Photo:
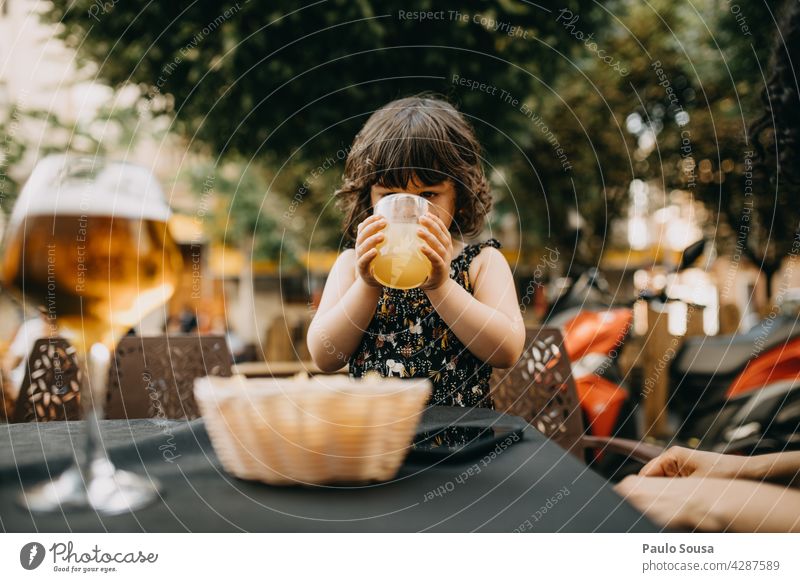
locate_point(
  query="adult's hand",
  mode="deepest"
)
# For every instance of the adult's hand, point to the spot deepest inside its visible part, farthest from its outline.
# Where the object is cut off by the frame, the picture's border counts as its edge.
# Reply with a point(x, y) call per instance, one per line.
point(683, 462)
point(713, 505)
point(673, 503)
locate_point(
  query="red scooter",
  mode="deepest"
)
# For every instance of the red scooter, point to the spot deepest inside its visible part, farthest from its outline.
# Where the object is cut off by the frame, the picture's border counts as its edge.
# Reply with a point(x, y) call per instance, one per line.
point(733, 393)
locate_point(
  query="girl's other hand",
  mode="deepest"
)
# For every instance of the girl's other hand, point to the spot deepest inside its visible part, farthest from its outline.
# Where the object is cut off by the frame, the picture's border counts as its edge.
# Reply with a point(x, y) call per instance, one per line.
point(438, 248)
point(369, 236)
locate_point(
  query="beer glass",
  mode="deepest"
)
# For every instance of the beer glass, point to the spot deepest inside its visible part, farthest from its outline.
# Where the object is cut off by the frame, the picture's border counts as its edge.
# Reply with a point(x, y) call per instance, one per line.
point(88, 246)
point(400, 263)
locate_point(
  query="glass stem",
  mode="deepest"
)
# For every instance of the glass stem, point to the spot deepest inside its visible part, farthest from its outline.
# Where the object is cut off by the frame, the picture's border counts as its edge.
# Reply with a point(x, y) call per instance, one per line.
point(94, 365)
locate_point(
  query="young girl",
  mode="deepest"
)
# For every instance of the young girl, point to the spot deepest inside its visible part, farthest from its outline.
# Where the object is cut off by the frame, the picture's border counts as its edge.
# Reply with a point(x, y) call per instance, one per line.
point(465, 318)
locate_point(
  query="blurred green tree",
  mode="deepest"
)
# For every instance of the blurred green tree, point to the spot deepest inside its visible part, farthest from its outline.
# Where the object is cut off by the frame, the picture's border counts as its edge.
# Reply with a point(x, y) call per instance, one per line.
point(30, 134)
point(572, 100)
point(678, 119)
point(291, 85)
point(12, 150)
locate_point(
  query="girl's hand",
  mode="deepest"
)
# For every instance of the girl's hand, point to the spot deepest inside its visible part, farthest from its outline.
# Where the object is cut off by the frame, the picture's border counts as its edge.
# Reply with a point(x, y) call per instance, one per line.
point(683, 462)
point(368, 237)
point(438, 248)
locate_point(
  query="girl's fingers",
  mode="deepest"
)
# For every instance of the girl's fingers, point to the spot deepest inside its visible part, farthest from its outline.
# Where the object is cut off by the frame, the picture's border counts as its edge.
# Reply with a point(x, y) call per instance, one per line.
point(369, 243)
point(434, 242)
point(365, 259)
point(440, 224)
point(369, 219)
point(370, 228)
point(366, 223)
point(435, 259)
point(436, 223)
point(371, 222)
point(442, 236)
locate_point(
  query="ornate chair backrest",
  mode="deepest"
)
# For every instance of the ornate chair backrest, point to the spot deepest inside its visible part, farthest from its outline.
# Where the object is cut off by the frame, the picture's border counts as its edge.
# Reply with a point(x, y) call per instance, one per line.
point(50, 389)
point(540, 389)
point(157, 374)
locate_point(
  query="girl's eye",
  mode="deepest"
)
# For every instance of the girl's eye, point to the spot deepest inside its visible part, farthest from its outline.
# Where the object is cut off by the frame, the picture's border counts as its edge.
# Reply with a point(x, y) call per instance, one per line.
point(428, 194)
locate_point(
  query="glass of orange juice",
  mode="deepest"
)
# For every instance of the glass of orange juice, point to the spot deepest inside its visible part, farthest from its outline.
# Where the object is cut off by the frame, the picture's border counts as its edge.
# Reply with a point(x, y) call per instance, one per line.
point(400, 263)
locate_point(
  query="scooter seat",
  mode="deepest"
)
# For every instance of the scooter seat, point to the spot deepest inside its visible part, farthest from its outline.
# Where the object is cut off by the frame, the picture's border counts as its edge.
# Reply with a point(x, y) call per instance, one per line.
point(727, 354)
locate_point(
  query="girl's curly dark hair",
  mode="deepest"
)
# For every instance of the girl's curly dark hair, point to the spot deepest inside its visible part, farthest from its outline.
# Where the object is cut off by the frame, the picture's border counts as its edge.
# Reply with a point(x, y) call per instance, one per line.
point(776, 134)
point(419, 139)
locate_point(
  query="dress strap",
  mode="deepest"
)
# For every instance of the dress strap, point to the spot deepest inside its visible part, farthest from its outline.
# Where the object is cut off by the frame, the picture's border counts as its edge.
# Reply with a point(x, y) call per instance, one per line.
point(459, 267)
point(473, 250)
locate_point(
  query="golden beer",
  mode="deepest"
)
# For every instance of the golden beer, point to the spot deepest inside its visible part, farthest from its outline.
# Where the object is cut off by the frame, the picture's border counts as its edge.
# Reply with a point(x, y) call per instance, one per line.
point(95, 277)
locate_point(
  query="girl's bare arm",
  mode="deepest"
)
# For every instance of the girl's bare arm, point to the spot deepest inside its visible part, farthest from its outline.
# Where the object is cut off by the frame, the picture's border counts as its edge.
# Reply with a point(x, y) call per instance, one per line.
point(488, 322)
point(348, 301)
point(345, 310)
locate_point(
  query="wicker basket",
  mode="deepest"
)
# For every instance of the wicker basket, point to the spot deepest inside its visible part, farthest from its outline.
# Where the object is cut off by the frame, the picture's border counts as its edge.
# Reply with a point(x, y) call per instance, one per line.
point(317, 430)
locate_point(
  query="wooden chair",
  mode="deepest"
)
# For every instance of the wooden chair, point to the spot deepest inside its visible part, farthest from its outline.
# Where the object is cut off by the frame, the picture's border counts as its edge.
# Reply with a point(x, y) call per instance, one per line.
point(151, 377)
point(51, 386)
point(285, 340)
point(279, 341)
point(300, 335)
point(540, 388)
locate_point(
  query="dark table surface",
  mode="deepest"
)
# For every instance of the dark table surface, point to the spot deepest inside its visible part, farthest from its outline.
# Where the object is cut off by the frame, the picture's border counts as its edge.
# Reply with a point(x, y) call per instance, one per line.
point(533, 485)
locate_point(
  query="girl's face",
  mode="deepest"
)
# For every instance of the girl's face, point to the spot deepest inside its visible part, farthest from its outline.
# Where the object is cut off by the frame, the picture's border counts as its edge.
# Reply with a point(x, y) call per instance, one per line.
point(441, 196)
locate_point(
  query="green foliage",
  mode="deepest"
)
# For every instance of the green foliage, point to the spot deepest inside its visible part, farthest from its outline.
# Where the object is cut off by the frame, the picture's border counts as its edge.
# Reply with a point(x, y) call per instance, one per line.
point(27, 135)
point(12, 150)
point(243, 223)
point(247, 78)
point(284, 87)
point(291, 85)
point(678, 119)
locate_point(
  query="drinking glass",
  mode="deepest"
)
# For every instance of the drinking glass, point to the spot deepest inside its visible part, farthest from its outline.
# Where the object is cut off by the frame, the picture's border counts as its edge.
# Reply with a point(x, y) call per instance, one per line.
point(400, 263)
point(88, 246)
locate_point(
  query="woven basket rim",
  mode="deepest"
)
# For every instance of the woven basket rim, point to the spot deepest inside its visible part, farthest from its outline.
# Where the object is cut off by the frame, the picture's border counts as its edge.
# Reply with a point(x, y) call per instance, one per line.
point(238, 386)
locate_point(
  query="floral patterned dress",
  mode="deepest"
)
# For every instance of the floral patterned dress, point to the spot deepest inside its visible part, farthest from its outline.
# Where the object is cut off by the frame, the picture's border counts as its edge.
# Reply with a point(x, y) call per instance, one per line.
point(406, 338)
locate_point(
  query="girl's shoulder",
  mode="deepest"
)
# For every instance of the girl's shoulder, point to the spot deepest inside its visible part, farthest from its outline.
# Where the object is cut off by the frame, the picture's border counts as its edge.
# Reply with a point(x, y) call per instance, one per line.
point(345, 263)
point(348, 255)
point(475, 257)
point(478, 253)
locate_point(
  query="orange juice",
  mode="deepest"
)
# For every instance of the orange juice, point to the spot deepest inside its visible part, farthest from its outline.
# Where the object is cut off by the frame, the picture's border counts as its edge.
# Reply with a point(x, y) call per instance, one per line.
point(400, 264)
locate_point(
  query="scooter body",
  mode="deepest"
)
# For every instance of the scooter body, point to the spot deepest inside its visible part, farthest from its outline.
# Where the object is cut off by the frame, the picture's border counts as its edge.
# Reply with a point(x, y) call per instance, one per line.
point(740, 393)
point(733, 393)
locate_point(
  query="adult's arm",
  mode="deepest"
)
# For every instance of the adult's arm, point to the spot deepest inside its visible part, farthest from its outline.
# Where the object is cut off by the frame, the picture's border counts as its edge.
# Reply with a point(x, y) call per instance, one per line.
point(714, 505)
point(685, 462)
